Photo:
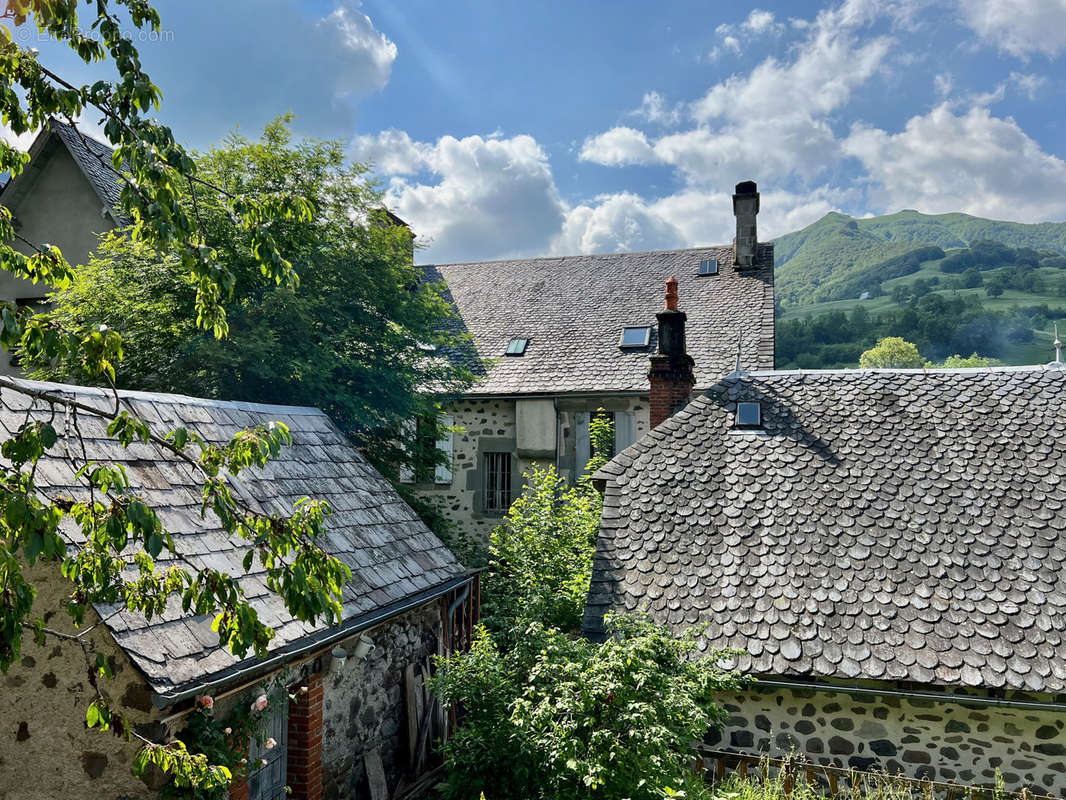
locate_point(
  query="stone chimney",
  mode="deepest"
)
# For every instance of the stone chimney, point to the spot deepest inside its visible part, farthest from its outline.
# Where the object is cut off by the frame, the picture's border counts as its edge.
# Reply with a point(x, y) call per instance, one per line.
point(745, 209)
point(670, 371)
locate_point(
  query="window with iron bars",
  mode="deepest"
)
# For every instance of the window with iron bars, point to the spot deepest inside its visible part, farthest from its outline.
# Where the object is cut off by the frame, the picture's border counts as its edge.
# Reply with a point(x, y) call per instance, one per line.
point(497, 481)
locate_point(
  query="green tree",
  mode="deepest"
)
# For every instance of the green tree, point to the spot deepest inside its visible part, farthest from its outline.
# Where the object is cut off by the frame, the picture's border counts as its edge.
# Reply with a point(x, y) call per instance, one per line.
point(361, 337)
point(971, 279)
point(556, 717)
point(892, 352)
point(540, 559)
point(112, 524)
point(957, 361)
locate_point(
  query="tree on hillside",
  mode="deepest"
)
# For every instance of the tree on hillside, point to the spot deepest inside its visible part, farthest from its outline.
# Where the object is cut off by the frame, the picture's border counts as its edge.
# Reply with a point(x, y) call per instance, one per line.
point(892, 352)
point(957, 361)
point(360, 337)
point(110, 522)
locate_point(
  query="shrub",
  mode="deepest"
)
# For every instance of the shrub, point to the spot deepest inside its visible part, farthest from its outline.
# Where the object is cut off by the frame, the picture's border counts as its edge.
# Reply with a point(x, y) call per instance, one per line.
point(540, 558)
point(556, 717)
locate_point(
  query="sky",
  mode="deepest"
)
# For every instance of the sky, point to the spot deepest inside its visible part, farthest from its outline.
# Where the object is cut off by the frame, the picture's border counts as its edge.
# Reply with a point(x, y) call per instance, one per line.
point(501, 129)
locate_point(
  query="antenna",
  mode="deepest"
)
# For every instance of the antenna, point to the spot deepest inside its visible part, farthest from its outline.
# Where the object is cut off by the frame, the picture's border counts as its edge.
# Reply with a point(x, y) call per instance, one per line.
point(1057, 363)
point(739, 371)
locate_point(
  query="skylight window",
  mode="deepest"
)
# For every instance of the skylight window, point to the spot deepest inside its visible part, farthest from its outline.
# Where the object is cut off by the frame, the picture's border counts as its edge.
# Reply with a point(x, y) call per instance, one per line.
point(709, 266)
point(517, 347)
point(749, 415)
point(635, 337)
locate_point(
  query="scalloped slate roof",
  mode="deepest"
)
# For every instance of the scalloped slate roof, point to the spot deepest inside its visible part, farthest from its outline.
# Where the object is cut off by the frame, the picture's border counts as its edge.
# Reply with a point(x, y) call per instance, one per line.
point(394, 557)
point(572, 309)
point(888, 525)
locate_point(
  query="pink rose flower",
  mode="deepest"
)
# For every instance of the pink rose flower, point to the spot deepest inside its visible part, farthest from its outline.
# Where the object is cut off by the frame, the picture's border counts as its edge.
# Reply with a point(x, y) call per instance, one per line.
point(269, 744)
point(260, 703)
point(229, 731)
point(206, 700)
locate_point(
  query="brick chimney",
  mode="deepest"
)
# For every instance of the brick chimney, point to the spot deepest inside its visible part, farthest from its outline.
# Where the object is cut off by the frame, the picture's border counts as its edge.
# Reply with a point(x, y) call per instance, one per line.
point(745, 209)
point(670, 371)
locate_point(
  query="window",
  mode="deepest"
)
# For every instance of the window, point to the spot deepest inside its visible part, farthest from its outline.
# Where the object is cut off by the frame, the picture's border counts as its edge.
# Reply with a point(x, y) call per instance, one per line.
point(267, 781)
point(749, 415)
point(424, 463)
point(497, 481)
point(709, 266)
point(635, 337)
point(517, 347)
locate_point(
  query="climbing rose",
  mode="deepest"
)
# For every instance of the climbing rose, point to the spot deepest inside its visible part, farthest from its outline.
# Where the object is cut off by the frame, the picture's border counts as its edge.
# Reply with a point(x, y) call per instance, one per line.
point(269, 744)
point(206, 700)
point(229, 731)
point(263, 762)
point(260, 703)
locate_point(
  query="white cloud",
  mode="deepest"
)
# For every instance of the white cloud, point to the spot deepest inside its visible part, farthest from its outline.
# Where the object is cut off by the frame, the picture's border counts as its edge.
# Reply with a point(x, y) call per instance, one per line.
point(491, 197)
point(943, 84)
point(760, 21)
point(1029, 83)
point(618, 147)
point(392, 152)
point(653, 109)
point(1022, 28)
point(617, 223)
point(972, 162)
point(731, 43)
point(20, 141)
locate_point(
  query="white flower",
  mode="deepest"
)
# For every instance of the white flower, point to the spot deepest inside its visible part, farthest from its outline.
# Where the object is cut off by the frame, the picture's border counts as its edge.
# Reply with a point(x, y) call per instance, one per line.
point(269, 744)
point(229, 731)
point(263, 762)
point(260, 703)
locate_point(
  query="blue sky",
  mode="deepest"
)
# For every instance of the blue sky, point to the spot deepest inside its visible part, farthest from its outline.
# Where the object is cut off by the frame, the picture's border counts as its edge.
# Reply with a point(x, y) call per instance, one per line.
point(503, 129)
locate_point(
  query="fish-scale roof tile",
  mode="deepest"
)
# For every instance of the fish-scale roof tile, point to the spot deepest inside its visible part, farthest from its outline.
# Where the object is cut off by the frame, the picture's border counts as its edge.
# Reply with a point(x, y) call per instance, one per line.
point(893, 525)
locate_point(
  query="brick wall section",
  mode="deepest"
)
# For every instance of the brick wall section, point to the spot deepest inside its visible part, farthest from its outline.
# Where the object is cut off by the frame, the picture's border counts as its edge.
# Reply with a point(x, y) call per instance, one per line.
point(305, 742)
point(671, 388)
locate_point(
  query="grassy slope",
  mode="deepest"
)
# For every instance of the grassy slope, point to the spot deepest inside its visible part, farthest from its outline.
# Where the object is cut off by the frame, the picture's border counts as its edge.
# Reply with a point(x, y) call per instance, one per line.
point(837, 246)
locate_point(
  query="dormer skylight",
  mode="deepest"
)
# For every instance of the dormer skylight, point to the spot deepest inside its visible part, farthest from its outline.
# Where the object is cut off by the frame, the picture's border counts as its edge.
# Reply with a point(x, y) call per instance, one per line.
point(635, 337)
point(749, 415)
point(517, 347)
point(709, 266)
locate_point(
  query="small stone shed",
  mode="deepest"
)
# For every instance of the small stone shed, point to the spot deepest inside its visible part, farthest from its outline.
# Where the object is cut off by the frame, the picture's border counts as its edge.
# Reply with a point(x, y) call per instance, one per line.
point(887, 547)
point(364, 716)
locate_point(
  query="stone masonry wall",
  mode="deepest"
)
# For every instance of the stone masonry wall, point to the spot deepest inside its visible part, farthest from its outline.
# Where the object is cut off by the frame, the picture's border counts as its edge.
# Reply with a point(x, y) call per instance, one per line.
point(45, 749)
point(488, 425)
point(365, 704)
point(919, 738)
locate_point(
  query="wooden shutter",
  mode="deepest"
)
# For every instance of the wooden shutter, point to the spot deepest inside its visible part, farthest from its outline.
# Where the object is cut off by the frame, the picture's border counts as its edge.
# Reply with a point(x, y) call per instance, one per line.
point(583, 446)
point(625, 430)
point(445, 444)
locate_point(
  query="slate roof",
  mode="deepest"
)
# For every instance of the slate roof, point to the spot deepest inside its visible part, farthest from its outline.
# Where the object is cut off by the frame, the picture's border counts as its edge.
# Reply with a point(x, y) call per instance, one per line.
point(572, 309)
point(393, 556)
point(889, 525)
point(94, 160)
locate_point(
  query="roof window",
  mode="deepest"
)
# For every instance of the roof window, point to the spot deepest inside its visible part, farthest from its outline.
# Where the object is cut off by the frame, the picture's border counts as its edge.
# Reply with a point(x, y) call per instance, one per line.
point(635, 337)
point(517, 347)
point(749, 415)
point(709, 266)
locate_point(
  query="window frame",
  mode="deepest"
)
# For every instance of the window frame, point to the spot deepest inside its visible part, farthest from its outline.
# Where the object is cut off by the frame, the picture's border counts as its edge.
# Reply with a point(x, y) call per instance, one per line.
point(712, 271)
point(517, 350)
point(632, 346)
point(498, 481)
point(758, 414)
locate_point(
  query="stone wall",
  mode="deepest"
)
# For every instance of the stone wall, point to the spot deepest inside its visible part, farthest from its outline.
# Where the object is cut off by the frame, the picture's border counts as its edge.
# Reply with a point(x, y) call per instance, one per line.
point(45, 749)
point(488, 425)
point(919, 738)
point(365, 702)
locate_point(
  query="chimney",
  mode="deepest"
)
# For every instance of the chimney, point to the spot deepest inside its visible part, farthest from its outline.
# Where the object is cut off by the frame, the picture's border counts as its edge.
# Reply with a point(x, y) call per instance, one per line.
point(745, 209)
point(670, 371)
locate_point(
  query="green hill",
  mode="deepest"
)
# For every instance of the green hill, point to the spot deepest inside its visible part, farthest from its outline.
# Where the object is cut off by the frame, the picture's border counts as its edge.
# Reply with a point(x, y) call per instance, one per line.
point(951, 283)
point(814, 261)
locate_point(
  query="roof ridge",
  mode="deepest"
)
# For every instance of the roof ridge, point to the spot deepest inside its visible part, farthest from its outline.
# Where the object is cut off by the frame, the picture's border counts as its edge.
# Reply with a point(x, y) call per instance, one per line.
point(772, 373)
point(582, 255)
point(169, 398)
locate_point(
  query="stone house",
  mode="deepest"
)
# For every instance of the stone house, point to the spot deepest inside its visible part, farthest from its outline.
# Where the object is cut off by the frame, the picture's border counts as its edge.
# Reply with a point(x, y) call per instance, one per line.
point(361, 715)
point(887, 547)
point(565, 337)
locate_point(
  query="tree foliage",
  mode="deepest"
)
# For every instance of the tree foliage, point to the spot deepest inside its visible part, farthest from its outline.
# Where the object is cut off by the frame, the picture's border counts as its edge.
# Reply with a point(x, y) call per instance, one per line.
point(892, 352)
point(359, 338)
point(114, 526)
point(558, 718)
point(540, 558)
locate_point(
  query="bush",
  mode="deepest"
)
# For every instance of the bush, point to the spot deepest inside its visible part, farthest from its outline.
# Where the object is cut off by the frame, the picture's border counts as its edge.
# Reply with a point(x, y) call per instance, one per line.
point(540, 558)
point(556, 717)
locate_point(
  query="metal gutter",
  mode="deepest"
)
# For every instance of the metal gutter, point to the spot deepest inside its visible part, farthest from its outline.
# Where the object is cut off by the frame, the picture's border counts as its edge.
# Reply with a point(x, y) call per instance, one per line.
point(316, 642)
point(940, 697)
